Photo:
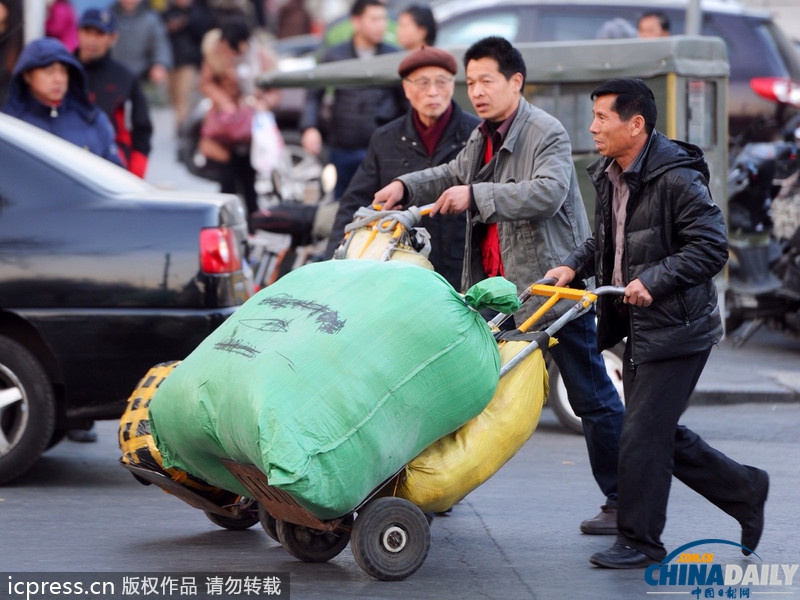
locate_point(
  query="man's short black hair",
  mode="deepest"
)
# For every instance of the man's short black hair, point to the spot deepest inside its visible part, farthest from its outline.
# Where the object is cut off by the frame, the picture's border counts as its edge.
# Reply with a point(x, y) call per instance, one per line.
point(633, 98)
point(423, 17)
point(509, 59)
point(359, 6)
point(234, 30)
point(662, 17)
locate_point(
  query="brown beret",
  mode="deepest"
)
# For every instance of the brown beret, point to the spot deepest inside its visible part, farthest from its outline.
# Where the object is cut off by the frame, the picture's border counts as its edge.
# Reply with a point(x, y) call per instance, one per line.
point(428, 56)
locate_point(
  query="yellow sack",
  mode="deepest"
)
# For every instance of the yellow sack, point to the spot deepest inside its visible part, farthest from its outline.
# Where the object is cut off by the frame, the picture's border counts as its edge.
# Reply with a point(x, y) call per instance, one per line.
point(371, 244)
point(456, 464)
point(386, 235)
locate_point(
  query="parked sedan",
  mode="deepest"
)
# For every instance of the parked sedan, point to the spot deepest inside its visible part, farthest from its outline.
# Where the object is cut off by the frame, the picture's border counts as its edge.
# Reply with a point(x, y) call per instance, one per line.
point(101, 276)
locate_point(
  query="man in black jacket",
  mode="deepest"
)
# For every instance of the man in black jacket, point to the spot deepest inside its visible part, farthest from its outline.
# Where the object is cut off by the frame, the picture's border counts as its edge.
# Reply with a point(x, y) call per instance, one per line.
point(659, 235)
point(431, 132)
point(114, 88)
point(355, 112)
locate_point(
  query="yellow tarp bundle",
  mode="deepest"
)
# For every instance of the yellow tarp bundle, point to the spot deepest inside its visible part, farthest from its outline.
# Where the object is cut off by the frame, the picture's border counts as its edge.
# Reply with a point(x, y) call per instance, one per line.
point(456, 464)
point(386, 235)
point(371, 244)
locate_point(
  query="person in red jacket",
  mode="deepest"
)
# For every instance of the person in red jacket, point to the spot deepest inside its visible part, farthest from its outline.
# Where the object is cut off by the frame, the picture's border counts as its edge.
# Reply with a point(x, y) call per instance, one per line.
point(114, 88)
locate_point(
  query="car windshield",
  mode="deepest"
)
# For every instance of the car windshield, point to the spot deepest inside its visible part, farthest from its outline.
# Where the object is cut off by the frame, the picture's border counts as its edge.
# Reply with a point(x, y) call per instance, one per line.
point(94, 171)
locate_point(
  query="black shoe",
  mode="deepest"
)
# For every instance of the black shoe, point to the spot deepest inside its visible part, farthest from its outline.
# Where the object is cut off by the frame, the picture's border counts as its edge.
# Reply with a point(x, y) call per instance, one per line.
point(620, 556)
point(604, 523)
point(82, 435)
point(753, 524)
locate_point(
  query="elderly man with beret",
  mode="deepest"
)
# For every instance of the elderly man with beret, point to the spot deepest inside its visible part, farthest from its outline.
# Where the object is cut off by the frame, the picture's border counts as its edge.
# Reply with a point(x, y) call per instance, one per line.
point(431, 132)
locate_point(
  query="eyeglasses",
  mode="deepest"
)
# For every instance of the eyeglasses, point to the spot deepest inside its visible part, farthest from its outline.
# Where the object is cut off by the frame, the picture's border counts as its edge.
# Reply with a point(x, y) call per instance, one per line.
point(424, 83)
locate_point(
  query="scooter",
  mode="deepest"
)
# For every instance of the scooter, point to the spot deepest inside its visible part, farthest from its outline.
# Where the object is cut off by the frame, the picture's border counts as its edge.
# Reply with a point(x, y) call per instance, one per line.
point(764, 230)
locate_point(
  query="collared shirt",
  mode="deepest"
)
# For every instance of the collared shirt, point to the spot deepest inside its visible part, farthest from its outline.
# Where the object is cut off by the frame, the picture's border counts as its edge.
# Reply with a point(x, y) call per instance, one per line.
point(619, 208)
point(495, 133)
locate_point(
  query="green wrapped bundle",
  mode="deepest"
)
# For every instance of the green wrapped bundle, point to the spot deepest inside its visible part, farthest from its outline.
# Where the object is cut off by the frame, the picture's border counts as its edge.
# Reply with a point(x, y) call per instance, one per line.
point(329, 381)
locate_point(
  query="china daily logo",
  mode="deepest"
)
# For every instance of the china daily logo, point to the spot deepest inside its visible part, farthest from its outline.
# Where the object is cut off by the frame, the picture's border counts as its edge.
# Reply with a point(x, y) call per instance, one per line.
point(707, 579)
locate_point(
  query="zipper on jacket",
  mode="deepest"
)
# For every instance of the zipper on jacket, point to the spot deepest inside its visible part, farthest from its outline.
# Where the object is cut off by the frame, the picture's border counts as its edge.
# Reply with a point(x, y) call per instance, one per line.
point(684, 312)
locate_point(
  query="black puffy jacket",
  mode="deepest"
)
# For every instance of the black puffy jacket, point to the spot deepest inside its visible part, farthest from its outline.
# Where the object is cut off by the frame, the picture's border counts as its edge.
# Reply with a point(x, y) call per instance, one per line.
point(355, 112)
point(675, 243)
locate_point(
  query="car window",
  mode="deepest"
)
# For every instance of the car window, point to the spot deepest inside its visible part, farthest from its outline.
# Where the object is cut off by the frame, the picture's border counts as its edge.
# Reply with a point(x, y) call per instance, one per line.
point(557, 25)
point(472, 27)
point(766, 62)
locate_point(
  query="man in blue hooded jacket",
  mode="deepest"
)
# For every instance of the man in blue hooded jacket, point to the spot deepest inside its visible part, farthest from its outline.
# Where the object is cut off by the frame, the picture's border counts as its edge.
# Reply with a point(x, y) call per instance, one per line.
point(48, 90)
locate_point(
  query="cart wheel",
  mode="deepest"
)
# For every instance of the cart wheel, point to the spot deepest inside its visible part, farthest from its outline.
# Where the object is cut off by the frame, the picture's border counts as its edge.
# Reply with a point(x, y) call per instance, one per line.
point(246, 518)
point(312, 545)
point(268, 523)
point(391, 538)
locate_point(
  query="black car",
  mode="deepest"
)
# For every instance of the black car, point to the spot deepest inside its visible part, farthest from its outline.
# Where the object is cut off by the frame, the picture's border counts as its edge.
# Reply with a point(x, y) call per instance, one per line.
point(756, 46)
point(102, 276)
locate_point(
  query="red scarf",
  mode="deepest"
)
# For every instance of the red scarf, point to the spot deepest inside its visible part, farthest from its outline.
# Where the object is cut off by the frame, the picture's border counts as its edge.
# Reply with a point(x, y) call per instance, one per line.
point(490, 245)
point(430, 136)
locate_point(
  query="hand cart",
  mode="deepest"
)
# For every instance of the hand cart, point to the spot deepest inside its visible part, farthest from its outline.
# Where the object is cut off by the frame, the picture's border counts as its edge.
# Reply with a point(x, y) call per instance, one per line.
point(389, 536)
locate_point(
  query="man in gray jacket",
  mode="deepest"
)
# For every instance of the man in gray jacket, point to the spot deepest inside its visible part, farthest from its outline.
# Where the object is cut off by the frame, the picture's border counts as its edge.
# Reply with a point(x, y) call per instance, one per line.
point(517, 180)
point(142, 43)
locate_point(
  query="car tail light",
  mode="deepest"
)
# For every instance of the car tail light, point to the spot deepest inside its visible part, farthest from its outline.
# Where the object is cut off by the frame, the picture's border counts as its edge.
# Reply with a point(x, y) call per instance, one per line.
point(219, 252)
point(778, 89)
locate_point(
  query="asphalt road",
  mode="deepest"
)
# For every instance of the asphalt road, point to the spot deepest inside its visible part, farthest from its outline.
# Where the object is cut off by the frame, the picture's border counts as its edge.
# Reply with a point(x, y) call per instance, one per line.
point(516, 536)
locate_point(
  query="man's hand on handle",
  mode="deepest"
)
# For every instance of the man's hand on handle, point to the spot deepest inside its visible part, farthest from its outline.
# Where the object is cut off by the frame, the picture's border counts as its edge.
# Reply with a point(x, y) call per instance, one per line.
point(389, 196)
point(562, 274)
point(637, 294)
point(453, 200)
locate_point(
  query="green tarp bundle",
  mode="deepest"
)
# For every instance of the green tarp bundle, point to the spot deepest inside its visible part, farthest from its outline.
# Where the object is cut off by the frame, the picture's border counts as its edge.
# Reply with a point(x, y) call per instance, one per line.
point(330, 381)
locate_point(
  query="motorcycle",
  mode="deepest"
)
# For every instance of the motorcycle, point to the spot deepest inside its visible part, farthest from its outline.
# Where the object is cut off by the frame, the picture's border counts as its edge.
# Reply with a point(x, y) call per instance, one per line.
point(764, 229)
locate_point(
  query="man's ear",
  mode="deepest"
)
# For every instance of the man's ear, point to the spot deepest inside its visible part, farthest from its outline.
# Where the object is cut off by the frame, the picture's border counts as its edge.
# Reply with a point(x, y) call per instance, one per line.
point(636, 125)
point(517, 77)
point(114, 38)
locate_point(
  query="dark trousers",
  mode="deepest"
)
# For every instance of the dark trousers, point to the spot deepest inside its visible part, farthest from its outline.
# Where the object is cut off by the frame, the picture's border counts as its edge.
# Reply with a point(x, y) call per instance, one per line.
point(238, 177)
point(593, 397)
point(654, 448)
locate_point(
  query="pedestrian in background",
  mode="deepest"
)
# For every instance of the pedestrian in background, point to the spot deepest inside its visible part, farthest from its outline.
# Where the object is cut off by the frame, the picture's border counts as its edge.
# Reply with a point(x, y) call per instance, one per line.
point(114, 88)
point(660, 236)
point(293, 19)
point(142, 44)
point(48, 90)
point(62, 23)
point(187, 21)
point(11, 31)
point(232, 58)
point(416, 27)
point(355, 112)
point(433, 131)
point(516, 180)
point(653, 24)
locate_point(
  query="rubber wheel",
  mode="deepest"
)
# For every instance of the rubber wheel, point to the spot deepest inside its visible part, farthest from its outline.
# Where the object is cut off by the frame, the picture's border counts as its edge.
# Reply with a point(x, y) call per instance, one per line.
point(268, 523)
point(391, 538)
point(558, 401)
point(312, 545)
point(27, 410)
point(247, 518)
